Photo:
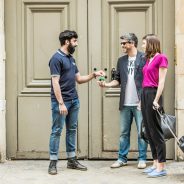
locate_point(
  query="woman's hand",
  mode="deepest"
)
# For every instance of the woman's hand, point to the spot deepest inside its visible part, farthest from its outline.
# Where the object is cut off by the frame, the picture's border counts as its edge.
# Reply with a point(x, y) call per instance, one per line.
point(155, 105)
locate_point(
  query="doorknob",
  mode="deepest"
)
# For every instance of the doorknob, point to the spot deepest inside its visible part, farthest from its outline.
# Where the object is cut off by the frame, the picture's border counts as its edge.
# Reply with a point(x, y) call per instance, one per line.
point(94, 69)
point(113, 73)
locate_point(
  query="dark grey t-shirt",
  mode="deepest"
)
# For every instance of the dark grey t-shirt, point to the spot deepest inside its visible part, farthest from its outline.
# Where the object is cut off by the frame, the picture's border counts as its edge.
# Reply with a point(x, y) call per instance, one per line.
point(64, 66)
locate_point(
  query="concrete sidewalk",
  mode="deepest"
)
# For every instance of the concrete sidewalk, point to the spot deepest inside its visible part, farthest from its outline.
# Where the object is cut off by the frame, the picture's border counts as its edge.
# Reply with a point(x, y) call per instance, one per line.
point(99, 172)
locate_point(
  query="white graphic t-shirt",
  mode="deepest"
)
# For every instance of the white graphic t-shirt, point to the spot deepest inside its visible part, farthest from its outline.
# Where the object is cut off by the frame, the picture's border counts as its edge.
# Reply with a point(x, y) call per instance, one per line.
point(131, 98)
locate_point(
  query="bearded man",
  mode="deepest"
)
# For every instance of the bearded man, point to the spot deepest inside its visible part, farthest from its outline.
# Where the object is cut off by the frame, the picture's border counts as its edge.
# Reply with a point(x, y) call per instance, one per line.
point(64, 99)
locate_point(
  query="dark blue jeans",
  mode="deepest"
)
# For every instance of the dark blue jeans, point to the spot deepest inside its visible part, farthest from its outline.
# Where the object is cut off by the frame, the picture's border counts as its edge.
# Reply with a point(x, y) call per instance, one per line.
point(58, 121)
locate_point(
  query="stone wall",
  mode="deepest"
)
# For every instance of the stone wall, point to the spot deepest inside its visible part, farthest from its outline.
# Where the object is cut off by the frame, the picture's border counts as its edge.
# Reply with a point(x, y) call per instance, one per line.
point(179, 70)
point(2, 86)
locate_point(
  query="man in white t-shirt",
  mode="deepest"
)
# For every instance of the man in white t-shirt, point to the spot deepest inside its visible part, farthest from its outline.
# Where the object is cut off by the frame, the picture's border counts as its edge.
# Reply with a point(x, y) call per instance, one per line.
point(129, 76)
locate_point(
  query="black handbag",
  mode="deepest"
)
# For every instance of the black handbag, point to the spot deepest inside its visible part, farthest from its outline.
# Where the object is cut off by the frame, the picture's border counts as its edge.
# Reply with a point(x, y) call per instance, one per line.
point(168, 124)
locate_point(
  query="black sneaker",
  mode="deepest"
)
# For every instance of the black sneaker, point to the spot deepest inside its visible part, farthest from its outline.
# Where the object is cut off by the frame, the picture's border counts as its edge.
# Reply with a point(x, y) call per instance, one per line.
point(52, 167)
point(74, 164)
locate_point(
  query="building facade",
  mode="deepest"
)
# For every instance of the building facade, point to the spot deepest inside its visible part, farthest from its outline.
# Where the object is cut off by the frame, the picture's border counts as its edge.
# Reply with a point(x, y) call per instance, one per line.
point(29, 36)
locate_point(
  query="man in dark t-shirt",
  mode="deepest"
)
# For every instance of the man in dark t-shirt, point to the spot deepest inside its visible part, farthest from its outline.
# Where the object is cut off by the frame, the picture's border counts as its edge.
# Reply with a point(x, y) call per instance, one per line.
point(64, 99)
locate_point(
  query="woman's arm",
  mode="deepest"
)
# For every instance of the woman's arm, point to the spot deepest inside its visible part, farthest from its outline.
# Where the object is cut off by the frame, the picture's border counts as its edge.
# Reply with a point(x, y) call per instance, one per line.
point(162, 76)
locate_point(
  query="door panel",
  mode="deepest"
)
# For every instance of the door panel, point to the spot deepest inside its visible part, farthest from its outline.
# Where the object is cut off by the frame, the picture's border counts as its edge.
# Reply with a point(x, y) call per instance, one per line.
point(38, 42)
point(36, 32)
point(110, 116)
point(112, 18)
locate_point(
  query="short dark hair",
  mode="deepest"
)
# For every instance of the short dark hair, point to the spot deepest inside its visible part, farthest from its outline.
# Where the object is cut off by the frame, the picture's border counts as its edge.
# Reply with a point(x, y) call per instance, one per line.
point(152, 45)
point(130, 37)
point(67, 35)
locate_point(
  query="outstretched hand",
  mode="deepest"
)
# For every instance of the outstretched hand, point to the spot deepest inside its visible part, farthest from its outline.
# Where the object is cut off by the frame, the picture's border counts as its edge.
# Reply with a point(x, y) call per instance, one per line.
point(99, 73)
point(101, 83)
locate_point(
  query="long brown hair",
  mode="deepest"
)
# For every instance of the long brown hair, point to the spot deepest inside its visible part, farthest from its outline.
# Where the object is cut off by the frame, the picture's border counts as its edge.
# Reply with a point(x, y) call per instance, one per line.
point(152, 45)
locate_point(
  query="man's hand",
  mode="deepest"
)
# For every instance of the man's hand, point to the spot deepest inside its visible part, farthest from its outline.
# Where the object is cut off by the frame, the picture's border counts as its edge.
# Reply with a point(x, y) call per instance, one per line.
point(111, 84)
point(99, 73)
point(139, 106)
point(62, 109)
point(101, 83)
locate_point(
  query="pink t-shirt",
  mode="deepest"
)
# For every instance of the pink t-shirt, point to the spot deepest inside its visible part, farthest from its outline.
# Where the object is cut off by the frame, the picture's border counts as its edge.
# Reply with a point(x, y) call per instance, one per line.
point(151, 71)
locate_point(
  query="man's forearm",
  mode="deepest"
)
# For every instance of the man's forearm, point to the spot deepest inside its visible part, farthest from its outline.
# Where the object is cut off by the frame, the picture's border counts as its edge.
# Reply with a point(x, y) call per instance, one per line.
point(113, 83)
point(86, 78)
point(57, 92)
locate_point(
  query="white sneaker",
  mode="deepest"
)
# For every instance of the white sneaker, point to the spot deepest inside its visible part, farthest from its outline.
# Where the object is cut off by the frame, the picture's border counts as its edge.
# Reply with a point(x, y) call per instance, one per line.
point(118, 164)
point(141, 164)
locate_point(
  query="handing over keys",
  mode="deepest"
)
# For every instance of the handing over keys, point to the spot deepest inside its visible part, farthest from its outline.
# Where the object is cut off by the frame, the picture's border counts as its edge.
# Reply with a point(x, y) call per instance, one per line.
point(101, 81)
point(101, 78)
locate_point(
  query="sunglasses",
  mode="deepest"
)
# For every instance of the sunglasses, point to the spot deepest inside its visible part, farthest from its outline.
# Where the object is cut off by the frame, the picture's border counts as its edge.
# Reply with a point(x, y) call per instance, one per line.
point(124, 43)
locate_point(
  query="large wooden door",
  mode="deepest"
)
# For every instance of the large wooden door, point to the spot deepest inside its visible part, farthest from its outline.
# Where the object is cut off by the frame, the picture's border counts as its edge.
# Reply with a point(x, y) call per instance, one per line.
point(32, 31)
point(107, 21)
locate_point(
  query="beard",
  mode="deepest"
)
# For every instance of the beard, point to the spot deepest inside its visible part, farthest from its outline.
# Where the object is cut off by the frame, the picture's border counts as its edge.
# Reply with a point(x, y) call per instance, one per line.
point(71, 48)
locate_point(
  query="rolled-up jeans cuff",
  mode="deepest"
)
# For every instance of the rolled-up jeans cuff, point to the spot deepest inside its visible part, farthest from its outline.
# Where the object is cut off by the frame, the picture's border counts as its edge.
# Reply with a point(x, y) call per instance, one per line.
point(70, 154)
point(53, 157)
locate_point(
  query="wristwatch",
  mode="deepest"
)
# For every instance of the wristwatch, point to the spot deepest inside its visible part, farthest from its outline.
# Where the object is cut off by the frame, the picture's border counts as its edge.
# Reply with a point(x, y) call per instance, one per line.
point(61, 103)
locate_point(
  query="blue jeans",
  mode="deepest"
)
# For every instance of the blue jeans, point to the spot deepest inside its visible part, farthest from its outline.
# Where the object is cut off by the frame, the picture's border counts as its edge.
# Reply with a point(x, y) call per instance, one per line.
point(126, 118)
point(58, 121)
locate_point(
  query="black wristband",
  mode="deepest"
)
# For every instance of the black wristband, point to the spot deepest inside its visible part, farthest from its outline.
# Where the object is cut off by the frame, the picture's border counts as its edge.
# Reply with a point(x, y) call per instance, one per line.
point(61, 103)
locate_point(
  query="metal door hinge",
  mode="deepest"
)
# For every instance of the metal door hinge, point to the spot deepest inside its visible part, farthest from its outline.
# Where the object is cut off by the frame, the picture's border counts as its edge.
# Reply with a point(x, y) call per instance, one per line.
point(175, 55)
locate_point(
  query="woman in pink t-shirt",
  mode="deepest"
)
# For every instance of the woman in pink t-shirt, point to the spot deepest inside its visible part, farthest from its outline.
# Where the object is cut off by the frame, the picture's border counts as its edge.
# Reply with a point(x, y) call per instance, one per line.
point(154, 74)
